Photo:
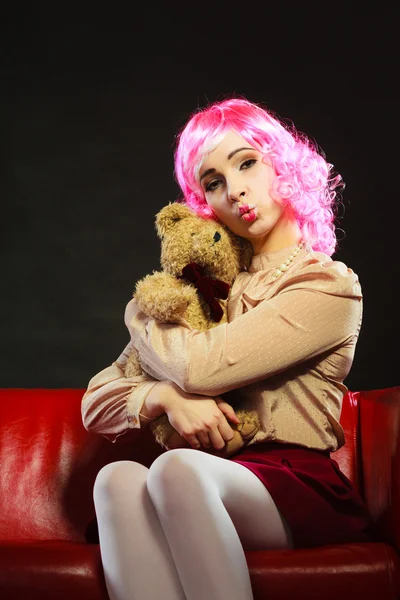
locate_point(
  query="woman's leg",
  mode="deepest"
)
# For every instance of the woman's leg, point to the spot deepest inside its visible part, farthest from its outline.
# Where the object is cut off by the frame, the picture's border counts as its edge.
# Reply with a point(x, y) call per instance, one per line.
point(211, 509)
point(136, 558)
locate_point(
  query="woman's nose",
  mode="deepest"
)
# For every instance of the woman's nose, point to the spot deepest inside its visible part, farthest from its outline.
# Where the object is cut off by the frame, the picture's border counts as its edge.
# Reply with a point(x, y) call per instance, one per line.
point(236, 195)
point(235, 187)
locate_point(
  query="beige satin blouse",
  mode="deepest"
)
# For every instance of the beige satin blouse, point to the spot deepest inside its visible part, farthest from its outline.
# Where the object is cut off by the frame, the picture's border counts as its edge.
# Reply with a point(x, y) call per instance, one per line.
point(285, 352)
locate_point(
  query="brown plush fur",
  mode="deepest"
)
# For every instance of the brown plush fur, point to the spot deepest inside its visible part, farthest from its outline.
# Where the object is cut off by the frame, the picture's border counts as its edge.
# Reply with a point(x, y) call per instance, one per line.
point(186, 238)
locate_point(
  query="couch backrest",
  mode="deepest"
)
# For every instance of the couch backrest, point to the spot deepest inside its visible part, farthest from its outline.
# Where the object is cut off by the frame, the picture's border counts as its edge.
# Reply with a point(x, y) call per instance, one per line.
point(49, 462)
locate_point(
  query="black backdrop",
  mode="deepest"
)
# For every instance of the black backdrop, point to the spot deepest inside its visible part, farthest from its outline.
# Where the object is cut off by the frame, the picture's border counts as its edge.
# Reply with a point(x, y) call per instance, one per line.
point(89, 109)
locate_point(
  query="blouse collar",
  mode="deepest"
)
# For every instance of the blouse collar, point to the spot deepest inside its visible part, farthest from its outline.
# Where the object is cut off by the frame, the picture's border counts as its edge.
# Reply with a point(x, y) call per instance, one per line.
point(270, 260)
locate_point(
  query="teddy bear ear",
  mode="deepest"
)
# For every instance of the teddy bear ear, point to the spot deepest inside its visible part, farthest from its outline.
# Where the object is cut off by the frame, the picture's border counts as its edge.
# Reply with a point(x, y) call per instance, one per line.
point(168, 216)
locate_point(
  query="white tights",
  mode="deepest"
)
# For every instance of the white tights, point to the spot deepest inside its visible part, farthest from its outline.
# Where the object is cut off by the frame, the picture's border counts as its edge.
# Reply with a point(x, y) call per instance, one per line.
point(179, 529)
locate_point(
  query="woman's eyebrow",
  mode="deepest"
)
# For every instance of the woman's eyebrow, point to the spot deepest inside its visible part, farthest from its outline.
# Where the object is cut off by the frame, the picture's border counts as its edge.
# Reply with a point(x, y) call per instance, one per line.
point(230, 155)
point(236, 151)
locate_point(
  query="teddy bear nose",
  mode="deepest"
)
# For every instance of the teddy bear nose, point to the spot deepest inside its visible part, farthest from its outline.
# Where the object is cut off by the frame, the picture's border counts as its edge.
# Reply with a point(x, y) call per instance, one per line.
point(217, 236)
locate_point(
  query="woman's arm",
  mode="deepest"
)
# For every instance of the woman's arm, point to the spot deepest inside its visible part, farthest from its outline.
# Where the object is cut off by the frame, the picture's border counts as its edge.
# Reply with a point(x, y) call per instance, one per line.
point(203, 423)
point(112, 402)
point(318, 309)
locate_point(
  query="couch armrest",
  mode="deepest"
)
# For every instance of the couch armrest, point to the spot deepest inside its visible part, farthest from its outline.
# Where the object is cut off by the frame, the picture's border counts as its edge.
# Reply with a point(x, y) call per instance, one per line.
point(379, 443)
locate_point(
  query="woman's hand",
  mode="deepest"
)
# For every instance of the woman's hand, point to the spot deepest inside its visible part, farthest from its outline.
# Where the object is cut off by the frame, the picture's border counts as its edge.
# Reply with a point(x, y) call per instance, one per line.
point(201, 421)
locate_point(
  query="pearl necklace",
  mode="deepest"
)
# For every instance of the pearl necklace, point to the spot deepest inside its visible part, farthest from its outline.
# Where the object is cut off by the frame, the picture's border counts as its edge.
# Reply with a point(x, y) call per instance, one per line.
point(285, 265)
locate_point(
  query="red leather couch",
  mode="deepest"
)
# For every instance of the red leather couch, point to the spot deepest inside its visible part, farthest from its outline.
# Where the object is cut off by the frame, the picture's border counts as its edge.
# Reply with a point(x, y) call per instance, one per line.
point(49, 463)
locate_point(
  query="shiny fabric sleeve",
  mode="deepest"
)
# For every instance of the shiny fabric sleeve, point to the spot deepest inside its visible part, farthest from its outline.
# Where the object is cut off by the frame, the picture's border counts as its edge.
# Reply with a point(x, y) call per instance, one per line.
point(112, 402)
point(317, 309)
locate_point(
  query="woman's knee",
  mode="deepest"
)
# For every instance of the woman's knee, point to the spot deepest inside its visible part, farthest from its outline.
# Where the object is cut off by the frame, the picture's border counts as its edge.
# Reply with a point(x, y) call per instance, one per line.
point(173, 474)
point(114, 479)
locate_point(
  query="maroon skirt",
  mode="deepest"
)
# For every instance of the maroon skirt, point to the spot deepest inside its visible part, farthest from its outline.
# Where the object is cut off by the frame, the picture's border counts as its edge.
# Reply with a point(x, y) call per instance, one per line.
point(318, 502)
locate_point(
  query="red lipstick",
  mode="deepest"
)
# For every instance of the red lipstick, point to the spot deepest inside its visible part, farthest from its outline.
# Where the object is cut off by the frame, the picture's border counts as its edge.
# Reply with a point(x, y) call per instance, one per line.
point(248, 212)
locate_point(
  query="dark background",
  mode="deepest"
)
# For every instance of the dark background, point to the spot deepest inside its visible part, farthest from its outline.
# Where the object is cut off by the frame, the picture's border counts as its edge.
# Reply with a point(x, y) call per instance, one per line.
point(90, 105)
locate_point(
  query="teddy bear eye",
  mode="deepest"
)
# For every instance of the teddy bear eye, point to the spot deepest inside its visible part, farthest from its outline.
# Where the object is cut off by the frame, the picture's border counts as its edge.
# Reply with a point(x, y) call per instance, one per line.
point(217, 236)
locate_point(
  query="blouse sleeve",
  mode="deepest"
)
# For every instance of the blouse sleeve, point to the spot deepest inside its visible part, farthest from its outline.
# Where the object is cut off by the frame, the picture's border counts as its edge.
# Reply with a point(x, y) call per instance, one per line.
point(317, 309)
point(112, 402)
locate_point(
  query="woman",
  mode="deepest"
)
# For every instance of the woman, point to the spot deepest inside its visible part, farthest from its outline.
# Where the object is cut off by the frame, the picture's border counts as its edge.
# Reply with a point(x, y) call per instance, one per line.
point(181, 527)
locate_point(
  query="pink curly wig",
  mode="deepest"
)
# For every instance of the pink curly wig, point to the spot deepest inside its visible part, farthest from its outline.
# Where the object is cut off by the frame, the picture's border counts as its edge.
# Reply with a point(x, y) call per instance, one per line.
point(305, 181)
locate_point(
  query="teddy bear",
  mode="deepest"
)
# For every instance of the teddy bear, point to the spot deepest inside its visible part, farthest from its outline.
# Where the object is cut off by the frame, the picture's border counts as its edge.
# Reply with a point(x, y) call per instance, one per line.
point(200, 259)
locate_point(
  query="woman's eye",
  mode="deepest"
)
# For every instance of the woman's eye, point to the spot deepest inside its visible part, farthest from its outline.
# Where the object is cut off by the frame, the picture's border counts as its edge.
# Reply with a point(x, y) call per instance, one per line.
point(248, 163)
point(212, 185)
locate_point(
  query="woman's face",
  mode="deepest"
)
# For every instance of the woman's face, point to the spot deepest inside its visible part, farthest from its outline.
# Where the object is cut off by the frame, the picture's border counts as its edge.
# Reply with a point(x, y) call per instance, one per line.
point(236, 184)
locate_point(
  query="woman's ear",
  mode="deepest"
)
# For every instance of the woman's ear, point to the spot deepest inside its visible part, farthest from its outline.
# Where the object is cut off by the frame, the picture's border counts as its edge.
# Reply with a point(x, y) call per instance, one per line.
point(169, 215)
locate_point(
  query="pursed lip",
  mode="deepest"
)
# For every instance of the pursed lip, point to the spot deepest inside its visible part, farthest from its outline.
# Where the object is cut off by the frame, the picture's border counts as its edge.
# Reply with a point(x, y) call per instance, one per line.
point(245, 208)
